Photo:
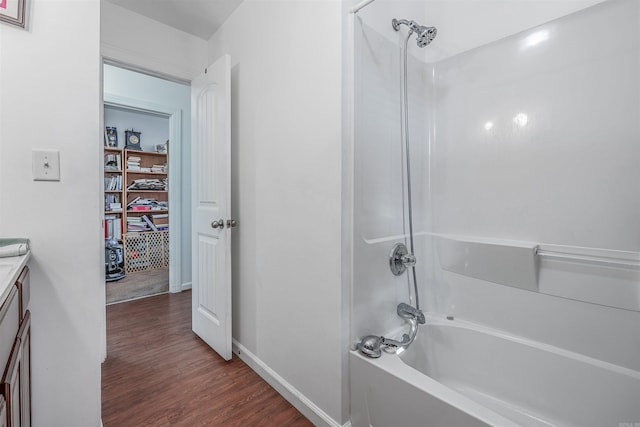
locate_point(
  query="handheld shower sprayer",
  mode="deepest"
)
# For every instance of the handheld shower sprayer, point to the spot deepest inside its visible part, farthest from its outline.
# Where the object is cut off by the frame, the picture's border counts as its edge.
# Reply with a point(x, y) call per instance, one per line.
point(401, 257)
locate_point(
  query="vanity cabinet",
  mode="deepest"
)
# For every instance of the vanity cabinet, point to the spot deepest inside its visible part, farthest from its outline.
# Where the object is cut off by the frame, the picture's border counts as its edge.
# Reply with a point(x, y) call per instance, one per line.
point(15, 354)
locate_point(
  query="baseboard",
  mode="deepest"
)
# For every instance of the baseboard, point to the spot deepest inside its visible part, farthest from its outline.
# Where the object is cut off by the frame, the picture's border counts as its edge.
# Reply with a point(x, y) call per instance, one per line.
point(186, 286)
point(310, 410)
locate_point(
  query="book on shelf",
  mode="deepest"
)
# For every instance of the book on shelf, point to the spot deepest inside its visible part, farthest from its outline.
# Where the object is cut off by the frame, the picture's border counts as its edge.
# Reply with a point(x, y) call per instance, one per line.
point(113, 183)
point(161, 221)
point(112, 162)
point(146, 204)
point(112, 202)
point(159, 217)
point(112, 227)
point(133, 163)
point(136, 224)
point(148, 184)
point(149, 223)
point(131, 203)
point(117, 226)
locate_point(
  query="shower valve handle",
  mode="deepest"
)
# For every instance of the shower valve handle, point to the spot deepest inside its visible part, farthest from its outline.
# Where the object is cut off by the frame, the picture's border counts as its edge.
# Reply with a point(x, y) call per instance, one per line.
point(400, 259)
point(409, 260)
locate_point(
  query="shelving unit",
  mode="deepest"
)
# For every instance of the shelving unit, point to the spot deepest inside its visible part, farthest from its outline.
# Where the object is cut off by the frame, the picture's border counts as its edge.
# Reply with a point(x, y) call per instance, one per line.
point(147, 161)
point(149, 249)
point(153, 203)
point(113, 192)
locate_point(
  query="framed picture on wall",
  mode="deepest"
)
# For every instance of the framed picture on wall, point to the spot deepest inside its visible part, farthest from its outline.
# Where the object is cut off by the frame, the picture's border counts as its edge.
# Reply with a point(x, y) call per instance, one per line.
point(12, 12)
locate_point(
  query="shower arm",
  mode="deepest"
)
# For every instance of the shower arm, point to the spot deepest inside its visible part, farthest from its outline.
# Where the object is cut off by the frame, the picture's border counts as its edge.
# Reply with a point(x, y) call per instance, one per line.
point(397, 22)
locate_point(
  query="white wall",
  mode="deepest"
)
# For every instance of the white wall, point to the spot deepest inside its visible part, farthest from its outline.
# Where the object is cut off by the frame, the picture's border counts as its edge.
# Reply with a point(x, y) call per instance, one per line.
point(154, 129)
point(49, 98)
point(172, 96)
point(286, 160)
point(136, 40)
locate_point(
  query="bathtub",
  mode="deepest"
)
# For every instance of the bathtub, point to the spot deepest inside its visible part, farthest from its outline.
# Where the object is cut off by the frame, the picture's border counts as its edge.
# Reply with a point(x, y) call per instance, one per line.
point(461, 375)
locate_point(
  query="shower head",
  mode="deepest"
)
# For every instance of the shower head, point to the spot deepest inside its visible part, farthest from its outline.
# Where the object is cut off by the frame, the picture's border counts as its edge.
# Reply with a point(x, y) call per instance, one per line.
point(425, 34)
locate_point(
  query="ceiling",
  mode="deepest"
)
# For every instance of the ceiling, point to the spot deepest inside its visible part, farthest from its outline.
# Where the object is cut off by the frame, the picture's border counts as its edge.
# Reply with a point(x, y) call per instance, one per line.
point(200, 18)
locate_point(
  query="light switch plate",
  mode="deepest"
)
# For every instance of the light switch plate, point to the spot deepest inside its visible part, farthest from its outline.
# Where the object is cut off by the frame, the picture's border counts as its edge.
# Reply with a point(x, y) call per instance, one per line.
point(46, 165)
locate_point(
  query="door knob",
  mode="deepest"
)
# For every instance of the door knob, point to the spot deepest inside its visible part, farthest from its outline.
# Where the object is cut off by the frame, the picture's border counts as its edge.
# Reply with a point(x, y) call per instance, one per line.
point(218, 224)
point(232, 223)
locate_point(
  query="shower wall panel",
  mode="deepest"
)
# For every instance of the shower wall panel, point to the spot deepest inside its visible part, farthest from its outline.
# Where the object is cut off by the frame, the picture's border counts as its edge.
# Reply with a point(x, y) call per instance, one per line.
point(538, 134)
point(380, 216)
point(536, 139)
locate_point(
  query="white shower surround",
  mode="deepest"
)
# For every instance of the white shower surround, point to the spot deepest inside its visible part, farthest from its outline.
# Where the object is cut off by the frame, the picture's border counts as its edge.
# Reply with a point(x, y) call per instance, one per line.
point(452, 98)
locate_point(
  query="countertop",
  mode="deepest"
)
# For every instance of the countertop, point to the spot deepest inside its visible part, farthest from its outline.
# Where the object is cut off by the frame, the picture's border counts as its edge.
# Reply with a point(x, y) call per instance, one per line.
point(10, 269)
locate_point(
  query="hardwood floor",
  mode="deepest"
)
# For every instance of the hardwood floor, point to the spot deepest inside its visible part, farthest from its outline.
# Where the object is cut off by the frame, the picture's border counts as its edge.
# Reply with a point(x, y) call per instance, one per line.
point(159, 373)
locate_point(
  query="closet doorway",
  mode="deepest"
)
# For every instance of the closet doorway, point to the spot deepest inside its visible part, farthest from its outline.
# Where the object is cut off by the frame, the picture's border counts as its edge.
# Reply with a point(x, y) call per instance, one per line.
point(146, 127)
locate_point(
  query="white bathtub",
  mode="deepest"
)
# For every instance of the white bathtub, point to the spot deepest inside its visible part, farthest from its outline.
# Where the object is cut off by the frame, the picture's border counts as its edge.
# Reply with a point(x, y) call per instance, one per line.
point(458, 374)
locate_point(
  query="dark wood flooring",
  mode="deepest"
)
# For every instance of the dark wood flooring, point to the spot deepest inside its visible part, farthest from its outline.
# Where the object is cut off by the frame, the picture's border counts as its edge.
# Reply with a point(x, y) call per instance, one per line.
point(159, 373)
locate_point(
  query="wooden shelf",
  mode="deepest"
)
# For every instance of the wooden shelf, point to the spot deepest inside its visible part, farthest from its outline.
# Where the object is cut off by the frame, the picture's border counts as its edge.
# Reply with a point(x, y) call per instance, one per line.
point(129, 172)
point(147, 191)
point(152, 153)
point(113, 149)
point(112, 171)
point(113, 212)
point(113, 191)
point(129, 211)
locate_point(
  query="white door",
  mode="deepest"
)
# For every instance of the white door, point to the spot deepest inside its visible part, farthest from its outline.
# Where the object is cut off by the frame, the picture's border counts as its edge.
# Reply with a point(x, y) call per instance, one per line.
point(211, 207)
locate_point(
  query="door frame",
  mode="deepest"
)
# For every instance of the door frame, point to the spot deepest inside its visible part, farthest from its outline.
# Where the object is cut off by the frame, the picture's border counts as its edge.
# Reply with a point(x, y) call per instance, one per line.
point(175, 160)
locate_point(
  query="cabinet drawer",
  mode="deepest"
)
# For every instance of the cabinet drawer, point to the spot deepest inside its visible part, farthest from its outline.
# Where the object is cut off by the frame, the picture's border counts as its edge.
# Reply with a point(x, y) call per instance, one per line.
point(24, 335)
point(24, 286)
point(3, 412)
point(11, 385)
point(9, 322)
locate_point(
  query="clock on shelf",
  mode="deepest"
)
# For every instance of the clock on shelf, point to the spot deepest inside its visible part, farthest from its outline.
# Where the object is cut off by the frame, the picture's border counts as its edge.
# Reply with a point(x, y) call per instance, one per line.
point(132, 140)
